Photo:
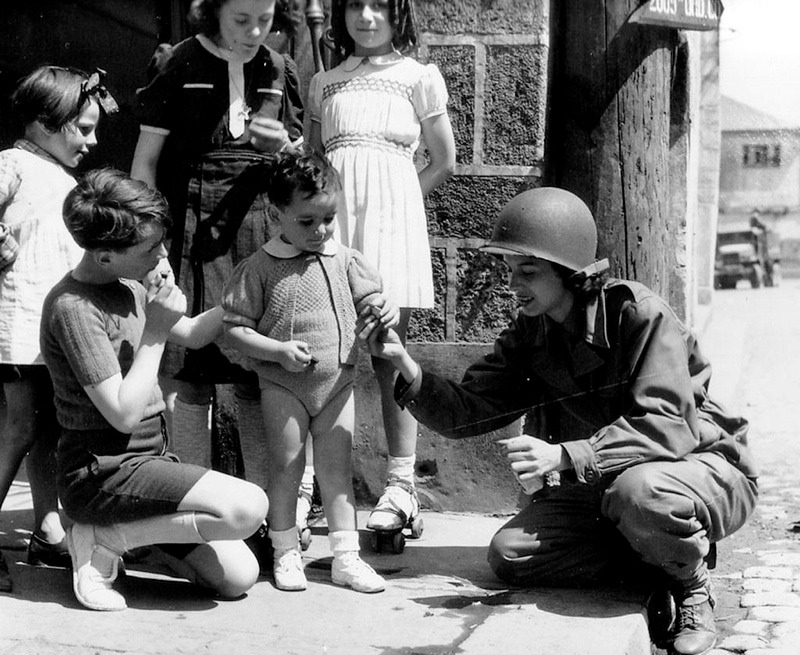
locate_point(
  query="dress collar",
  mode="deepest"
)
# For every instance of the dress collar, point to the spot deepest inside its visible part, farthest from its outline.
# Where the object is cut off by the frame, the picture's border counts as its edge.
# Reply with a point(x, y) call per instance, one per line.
point(353, 62)
point(279, 248)
point(219, 53)
point(30, 146)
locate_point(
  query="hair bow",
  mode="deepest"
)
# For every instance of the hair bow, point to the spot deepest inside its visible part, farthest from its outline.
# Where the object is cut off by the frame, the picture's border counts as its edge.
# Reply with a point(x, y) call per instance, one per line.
point(93, 86)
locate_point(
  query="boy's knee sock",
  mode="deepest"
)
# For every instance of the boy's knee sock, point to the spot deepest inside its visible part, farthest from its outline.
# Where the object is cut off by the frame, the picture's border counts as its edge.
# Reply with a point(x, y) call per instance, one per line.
point(253, 441)
point(178, 528)
point(401, 468)
point(191, 440)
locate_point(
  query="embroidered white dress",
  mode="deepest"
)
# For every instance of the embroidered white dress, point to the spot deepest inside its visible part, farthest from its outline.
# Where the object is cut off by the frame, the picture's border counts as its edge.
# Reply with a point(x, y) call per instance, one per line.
point(369, 111)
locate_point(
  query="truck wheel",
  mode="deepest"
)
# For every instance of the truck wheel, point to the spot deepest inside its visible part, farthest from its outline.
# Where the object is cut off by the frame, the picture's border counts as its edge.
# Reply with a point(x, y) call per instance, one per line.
point(757, 277)
point(726, 283)
point(775, 276)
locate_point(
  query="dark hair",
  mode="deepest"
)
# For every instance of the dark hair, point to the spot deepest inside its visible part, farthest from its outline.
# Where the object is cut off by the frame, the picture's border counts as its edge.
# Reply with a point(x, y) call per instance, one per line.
point(51, 95)
point(401, 18)
point(304, 171)
point(109, 209)
point(582, 285)
point(203, 16)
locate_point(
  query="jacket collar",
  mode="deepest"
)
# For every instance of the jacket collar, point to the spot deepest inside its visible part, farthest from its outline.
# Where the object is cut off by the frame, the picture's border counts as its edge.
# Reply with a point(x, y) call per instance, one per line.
point(279, 248)
point(563, 352)
point(353, 62)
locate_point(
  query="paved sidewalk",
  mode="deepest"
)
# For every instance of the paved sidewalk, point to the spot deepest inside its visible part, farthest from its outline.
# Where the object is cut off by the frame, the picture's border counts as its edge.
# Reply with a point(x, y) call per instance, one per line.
point(441, 598)
point(752, 342)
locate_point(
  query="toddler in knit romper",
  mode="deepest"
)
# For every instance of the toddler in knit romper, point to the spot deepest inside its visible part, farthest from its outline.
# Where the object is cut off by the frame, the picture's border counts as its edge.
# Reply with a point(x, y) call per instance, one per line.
point(294, 308)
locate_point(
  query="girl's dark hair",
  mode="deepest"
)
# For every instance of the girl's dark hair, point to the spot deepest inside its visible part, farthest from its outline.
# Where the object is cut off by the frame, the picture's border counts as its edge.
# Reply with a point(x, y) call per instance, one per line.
point(203, 18)
point(51, 95)
point(584, 286)
point(108, 209)
point(304, 171)
point(401, 17)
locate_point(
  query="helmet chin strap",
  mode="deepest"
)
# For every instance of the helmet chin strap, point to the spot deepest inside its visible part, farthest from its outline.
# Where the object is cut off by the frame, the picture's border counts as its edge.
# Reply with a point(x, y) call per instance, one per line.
point(595, 268)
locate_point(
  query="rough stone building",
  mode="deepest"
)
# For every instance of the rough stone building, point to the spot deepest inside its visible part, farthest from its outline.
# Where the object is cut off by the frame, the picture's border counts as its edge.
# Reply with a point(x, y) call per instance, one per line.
point(760, 170)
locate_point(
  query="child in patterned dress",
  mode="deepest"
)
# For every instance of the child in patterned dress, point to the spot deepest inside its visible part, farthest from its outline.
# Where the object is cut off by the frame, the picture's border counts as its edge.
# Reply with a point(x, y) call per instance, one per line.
point(367, 115)
point(294, 308)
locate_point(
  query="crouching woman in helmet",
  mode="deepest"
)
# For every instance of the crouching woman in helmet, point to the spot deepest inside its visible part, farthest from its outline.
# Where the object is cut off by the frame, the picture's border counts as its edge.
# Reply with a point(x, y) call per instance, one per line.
point(632, 467)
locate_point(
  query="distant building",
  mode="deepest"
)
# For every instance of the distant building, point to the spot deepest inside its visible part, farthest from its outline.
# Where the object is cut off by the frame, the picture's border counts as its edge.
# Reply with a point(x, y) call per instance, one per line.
point(760, 172)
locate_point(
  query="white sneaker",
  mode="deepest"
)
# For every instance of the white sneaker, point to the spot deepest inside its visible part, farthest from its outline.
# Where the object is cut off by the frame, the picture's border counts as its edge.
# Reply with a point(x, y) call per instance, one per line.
point(92, 586)
point(349, 570)
point(287, 569)
point(396, 508)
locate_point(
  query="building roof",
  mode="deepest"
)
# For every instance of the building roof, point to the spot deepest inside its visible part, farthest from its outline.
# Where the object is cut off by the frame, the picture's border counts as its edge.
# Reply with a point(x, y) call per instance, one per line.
point(737, 116)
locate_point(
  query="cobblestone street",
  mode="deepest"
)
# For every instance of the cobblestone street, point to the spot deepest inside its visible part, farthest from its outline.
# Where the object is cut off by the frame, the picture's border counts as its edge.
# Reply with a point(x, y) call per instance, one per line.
point(752, 341)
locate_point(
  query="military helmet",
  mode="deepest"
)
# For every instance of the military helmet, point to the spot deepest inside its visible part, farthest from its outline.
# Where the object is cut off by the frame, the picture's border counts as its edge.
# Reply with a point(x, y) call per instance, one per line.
point(548, 223)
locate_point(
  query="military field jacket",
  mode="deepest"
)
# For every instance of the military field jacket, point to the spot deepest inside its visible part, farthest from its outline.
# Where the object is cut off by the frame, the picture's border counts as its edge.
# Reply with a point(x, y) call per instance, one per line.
point(620, 382)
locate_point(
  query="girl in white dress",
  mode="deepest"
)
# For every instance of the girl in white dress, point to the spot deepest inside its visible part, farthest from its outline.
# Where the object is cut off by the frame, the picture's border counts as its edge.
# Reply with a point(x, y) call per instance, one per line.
point(367, 116)
point(58, 110)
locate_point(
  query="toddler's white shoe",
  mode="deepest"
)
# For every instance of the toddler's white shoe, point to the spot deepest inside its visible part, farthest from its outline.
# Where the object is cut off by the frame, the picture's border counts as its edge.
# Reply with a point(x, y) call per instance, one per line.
point(287, 569)
point(349, 570)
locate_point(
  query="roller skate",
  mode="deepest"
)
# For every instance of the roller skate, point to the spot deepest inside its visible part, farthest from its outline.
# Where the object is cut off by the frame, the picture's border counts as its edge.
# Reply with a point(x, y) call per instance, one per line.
point(304, 501)
point(309, 510)
point(396, 510)
point(260, 545)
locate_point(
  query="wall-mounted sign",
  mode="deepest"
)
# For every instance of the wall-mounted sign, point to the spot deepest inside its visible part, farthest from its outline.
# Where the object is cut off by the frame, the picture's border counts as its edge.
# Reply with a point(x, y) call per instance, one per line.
point(683, 14)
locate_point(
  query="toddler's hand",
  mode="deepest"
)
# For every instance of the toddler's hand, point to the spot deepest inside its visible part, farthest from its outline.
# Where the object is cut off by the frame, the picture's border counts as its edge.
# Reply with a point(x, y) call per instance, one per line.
point(384, 313)
point(267, 134)
point(294, 356)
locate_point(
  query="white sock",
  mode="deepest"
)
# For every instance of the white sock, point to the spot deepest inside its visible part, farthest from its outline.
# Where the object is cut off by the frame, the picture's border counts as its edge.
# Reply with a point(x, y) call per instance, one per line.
point(401, 468)
point(191, 440)
point(283, 540)
point(253, 441)
point(178, 528)
point(307, 481)
point(343, 541)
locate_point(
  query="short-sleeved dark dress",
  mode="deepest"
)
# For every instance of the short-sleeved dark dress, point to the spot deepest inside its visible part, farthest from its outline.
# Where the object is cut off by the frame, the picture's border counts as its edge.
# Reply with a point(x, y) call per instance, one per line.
point(215, 225)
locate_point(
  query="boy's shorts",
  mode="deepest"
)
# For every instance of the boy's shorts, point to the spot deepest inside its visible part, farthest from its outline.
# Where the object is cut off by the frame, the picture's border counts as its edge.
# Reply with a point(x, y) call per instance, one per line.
point(140, 487)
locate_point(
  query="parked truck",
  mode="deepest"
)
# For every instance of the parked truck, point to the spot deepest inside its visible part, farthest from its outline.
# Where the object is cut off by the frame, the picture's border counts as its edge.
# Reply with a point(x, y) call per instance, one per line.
point(748, 251)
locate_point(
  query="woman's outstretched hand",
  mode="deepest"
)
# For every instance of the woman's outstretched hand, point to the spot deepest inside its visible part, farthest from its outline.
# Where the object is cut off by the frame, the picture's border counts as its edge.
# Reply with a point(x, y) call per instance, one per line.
point(531, 458)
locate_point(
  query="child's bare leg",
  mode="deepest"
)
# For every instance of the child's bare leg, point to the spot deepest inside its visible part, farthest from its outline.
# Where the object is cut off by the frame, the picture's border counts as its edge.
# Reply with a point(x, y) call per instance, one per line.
point(332, 429)
point(31, 429)
point(286, 423)
point(227, 567)
point(41, 464)
point(333, 442)
point(399, 503)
